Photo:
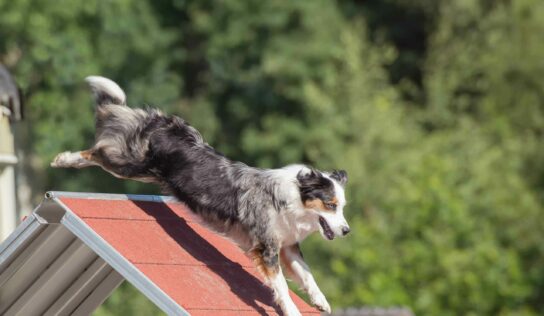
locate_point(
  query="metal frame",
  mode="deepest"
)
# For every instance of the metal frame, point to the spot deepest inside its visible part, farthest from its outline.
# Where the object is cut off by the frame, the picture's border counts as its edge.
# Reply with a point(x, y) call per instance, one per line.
point(87, 283)
point(55, 195)
point(104, 268)
point(28, 229)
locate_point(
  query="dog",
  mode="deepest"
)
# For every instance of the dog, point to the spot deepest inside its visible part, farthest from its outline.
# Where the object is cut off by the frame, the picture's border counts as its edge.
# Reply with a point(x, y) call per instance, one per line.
point(267, 212)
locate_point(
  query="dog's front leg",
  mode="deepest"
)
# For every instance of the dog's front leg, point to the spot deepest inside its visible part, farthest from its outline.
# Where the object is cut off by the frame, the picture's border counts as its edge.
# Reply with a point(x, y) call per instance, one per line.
point(266, 259)
point(299, 271)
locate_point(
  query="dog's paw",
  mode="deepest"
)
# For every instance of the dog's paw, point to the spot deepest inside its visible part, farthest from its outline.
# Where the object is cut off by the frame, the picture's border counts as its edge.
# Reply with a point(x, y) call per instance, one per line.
point(319, 300)
point(60, 160)
point(67, 159)
point(290, 309)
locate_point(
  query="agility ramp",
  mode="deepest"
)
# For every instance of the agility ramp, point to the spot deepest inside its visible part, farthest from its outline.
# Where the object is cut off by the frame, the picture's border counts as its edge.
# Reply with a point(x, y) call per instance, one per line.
point(74, 250)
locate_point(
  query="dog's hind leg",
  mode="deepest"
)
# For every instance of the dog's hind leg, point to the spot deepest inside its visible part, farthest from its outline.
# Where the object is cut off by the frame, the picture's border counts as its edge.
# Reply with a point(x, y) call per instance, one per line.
point(79, 159)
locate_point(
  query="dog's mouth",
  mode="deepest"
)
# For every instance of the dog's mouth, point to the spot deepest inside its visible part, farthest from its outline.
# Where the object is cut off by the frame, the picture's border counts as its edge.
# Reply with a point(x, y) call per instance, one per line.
point(327, 231)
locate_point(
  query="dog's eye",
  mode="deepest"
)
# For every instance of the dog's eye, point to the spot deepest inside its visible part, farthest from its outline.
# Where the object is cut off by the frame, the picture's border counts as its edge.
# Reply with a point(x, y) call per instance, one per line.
point(330, 206)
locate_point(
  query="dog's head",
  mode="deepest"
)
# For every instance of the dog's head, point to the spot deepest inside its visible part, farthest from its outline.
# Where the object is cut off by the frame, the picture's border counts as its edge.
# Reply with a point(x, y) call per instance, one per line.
point(323, 193)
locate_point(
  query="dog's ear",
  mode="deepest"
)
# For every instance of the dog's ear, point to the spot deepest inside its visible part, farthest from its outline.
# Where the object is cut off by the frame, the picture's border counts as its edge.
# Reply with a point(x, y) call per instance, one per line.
point(307, 180)
point(341, 176)
point(106, 91)
point(312, 184)
point(308, 177)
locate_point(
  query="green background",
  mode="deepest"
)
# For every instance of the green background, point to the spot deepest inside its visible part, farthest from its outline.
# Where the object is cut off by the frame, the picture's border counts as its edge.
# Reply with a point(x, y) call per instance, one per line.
point(434, 107)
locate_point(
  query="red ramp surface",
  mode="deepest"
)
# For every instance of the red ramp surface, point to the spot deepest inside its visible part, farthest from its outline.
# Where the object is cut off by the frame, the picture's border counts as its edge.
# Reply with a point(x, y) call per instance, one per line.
point(155, 243)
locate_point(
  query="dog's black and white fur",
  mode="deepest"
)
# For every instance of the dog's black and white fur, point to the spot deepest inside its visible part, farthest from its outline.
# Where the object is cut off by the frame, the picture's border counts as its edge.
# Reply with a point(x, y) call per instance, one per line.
point(266, 212)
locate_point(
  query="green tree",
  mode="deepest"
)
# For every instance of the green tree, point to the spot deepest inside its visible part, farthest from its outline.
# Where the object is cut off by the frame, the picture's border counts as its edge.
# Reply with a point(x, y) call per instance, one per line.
point(433, 107)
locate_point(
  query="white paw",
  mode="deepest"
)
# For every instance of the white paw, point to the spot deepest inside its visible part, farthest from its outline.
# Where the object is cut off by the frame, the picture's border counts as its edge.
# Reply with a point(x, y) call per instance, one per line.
point(319, 300)
point(61, 160)
point(290, 309)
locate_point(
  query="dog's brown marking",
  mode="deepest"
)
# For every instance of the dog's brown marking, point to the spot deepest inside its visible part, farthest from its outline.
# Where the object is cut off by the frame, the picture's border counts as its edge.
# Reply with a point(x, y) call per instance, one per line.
point(315, 204)
point(87, 155)
point(259, 261)
point(321, 205)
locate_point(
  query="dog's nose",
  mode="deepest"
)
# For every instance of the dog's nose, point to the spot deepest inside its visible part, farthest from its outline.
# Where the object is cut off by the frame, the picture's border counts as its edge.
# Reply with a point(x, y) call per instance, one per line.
point(345, 230)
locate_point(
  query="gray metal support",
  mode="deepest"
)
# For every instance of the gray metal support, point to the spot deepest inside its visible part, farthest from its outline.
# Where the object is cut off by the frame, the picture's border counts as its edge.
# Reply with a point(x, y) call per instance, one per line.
point(100, 293)
point(94, 274)
point(54, 279)
point(23, 234)
point(36, 257)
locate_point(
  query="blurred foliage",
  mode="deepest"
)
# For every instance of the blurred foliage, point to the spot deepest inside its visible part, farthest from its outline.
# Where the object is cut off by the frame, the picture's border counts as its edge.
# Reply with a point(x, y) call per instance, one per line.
point(127, 300)
point(435, 108)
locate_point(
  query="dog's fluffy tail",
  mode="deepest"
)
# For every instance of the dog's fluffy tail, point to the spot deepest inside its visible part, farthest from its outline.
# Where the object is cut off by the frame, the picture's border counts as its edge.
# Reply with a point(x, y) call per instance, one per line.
point(106, 91)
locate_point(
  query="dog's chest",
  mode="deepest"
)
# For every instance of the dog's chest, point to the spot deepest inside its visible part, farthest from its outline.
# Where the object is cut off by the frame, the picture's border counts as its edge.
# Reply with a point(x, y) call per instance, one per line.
point(292, 227)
